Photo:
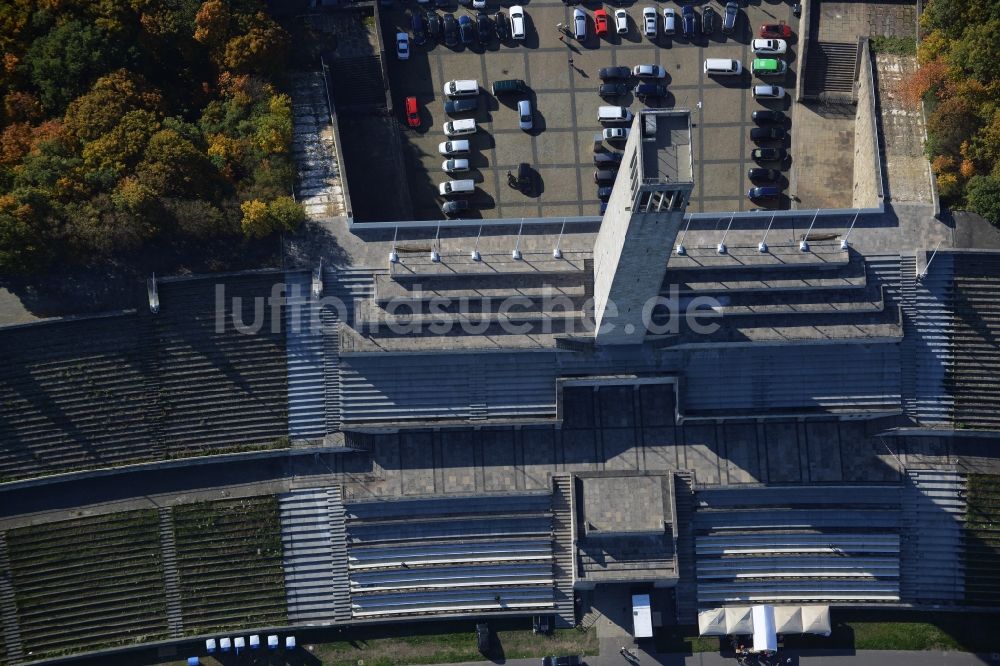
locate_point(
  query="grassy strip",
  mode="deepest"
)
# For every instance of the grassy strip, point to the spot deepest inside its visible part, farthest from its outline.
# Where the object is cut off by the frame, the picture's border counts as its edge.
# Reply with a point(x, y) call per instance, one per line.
point(982, 551)
point(901, 630)
point(900, 46)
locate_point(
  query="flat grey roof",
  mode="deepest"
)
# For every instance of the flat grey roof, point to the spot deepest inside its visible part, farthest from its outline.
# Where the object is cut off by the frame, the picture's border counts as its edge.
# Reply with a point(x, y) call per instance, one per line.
point(666, 145)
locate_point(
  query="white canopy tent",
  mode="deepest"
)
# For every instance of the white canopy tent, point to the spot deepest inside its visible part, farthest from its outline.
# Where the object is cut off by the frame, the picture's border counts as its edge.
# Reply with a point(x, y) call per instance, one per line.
point(782, 619)
point(765, 637)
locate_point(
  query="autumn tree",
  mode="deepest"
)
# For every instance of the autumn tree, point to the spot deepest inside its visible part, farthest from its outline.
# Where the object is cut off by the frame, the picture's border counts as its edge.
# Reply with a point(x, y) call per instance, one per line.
point(63, 62)
point(984, 197)
point(108, 101)
point(262, 48)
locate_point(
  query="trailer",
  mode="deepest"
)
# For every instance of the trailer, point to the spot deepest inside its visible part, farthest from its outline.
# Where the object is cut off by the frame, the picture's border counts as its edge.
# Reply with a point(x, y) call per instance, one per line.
point(642, 619)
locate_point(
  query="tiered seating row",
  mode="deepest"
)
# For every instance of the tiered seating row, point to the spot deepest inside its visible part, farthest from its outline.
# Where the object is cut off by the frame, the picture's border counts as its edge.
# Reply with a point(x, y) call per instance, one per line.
point(89, 583)
point(229, 556)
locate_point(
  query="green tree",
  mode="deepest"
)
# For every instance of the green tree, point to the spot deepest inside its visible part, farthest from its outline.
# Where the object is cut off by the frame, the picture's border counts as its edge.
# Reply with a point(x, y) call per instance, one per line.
point(108, 101)
point(120, 149)
point(62, 63)
point(949, 125)
point(978, 51)
point(174, 166)
point(983, 193)
point(263, 48)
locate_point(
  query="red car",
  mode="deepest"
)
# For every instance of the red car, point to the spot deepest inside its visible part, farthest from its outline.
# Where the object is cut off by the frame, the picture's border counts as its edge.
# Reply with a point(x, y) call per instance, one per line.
point(779, 30)
point(601, 22)
point(412, 112)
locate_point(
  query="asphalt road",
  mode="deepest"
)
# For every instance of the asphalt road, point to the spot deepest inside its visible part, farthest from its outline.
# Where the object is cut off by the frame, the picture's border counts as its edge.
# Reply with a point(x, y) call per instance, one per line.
point(791, 658)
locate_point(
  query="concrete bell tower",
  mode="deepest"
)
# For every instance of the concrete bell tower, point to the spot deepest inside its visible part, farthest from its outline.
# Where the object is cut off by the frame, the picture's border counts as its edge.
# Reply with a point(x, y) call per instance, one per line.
point(644, 214)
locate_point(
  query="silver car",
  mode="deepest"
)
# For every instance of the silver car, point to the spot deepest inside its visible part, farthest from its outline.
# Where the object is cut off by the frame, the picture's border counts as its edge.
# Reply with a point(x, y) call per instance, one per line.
point(649, 22)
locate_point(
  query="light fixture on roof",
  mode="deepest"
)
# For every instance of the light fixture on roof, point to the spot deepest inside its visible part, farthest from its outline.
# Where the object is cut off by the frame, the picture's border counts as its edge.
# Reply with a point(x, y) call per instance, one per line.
point(762, 246)
point(516, 254)
point(843, 243)
point(475, 250)
point(557, 250)
point(435, 253)
point(804, 245)
point(722, 244)
point(680, 249)
point(393, 257)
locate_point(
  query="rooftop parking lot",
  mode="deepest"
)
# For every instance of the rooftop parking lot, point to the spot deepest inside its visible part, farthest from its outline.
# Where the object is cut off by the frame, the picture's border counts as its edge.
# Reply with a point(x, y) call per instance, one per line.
point(562, 74)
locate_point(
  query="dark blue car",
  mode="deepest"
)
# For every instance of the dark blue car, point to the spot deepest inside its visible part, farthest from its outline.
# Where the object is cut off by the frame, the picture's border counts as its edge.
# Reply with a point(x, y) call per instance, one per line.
point(688, 18)
point(465, 31)
point(450, 29)
point(419, 27)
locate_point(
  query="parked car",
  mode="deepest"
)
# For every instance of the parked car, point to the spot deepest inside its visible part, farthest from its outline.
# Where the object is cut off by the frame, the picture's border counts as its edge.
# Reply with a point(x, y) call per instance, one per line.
point(772, 133)
point(466, 33)
point(766, 116)
point(412, 112)
point(518, 28)
point(455, 207)
point(525, 115)
point(455, 165)
point(433, 22)
point(579, 24)
point(607, 159)
point(763, 175)
point(502, 27)
point(780, 30)
point(669, 20)
point(455, 188)
point(688, 21)
point(612, 89)
point(768, 154)
point(769, 46)
point(768, 193)
point(649, 22)
point(603, 193)
point(768, 92)
point(646, 89)
point(479, 4)
point(730, 18)
point(460, 127)
point(649, 72)
point(768, 67)
point(572, 660)
point(604, 176)
point(449, 28)
point(453, 107)
point(483, 28)
point(615, 133)
point(708, 20)
point(621, 21)
point(483, 638)
point(402, 46)
point(600, 23)
point(449, 148)
point(606, 73)
point(461, 88)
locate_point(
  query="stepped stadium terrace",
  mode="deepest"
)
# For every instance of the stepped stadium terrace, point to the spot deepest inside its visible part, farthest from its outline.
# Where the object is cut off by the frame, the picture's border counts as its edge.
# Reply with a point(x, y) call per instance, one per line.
point(807, 413)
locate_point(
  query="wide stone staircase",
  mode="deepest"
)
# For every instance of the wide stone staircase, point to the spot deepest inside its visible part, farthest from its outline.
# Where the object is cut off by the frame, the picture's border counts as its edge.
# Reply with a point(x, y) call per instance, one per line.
point(306, 360)
point(357, 84)
point(830, 69)
point(320, 189)
point(563, 549)
point(933, 555)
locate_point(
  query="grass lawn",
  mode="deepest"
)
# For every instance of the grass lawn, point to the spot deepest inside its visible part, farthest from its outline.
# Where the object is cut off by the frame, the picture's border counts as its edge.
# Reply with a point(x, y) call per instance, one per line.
point(901, 630)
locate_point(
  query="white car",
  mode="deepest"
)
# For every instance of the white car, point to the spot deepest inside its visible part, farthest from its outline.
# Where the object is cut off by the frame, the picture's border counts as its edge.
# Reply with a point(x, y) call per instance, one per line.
point(460, 147)
point(616, 133)
point(768, 92)
point(517, 22)
point(621, 21)
point(769, 46)
point(649, 22)
point(402, 46)
point(455, 165)
point(461, 88)
point(669, 20)
point(579, 24)
point(649, 72)
point(479, 4)
point(525, 115)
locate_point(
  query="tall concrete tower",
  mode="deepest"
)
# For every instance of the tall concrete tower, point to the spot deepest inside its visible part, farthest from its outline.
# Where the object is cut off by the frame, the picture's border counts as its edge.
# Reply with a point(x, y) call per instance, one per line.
point(644, 214)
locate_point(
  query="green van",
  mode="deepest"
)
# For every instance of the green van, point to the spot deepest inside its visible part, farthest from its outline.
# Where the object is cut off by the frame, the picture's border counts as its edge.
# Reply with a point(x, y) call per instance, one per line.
point(768, 67)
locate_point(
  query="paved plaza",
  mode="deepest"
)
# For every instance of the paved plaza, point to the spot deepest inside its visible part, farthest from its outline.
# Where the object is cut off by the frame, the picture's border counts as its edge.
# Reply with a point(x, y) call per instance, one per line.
point(563, 76)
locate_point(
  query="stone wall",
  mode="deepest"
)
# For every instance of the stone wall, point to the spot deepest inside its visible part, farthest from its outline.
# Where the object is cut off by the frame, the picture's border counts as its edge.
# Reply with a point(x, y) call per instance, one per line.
point(867, 163)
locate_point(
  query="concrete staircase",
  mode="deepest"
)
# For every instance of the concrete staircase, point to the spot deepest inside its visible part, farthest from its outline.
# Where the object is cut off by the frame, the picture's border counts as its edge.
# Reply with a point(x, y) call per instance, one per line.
point(171, 577)
point(314, 149)
point(687, 610)
point(13, 653)
point(933, 548)
point(563, 549)
point(309, 559)
point(975, 314)
point(830, 68)
point(306, 360)
point(357, 85)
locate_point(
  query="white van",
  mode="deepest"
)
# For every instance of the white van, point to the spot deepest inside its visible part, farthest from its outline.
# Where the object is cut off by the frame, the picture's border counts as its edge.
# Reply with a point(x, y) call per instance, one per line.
point(460, 127)
point(450, 188)
point(613, 114)
point(723, 67)
point(517, 19)
point(462, 88)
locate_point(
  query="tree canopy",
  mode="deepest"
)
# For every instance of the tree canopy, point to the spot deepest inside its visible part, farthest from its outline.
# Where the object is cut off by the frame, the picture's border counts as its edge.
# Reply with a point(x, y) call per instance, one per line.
point(127, 121)
point(959, 81)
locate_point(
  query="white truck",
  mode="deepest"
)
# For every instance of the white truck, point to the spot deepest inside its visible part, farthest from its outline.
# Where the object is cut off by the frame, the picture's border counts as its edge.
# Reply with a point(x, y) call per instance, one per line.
point(642, 618)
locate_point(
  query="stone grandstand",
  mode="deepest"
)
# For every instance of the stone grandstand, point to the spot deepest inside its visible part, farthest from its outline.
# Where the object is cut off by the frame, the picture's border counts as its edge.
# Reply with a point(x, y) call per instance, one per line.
point(830, 440)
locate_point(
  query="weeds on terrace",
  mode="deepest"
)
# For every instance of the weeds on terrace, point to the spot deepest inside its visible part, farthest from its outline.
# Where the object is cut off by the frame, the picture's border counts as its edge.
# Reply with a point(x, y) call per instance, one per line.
point(900, 46)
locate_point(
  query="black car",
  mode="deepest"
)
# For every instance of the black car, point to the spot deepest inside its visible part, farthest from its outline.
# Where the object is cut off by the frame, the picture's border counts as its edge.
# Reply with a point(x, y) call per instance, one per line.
point(763, 193)
point(483, 639)
point(484, 27)
point(730, 17)
point(461, 105)
point(466, 33)
point(612, 89)
point(768, 117)
point(607, 159)
point(502, 26)
point(433, 25)
point(768, 154)
point(567, 660)
point(525, 179)
point(767, 134)
point(450, 29)
point(688, 20)
point(453, 208)
point(606, 73)
point(603, 193)
point(647, 89)
point(604, 176)
point(760, 174)
point(419, 27)
point(708, 21)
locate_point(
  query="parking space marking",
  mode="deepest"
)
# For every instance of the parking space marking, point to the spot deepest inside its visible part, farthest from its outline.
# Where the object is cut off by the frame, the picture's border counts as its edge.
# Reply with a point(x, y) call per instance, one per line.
point(493, 132)
point(743, 133)
point(701, 132)
point(572, 112)
point(534, 133)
